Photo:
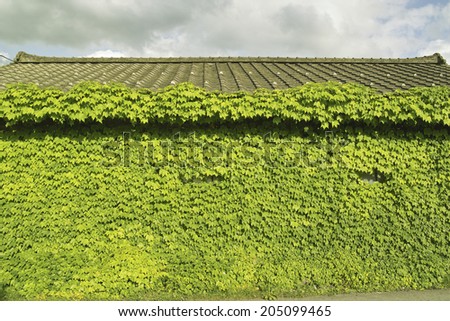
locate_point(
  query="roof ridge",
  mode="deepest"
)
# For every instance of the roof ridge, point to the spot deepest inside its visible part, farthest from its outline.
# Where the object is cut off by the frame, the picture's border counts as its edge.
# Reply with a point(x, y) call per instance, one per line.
point(23, 57)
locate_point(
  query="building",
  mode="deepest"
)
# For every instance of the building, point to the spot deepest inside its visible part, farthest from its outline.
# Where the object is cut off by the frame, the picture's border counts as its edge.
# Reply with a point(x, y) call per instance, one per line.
point(111, 193)
point(227, 74)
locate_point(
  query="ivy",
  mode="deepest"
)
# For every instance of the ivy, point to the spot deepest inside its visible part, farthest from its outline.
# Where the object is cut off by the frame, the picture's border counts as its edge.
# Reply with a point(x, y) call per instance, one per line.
point(330, 105)
point(114, 193)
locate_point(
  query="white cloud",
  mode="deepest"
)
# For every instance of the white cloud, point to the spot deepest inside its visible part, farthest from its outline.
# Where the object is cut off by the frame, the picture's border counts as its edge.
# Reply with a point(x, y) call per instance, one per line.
point(440, 46)
point(4, 61)
point(107, 53)
point(351, 28)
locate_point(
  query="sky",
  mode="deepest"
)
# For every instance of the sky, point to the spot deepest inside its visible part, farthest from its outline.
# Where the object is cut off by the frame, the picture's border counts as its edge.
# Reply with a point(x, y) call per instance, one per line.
point(180, 28)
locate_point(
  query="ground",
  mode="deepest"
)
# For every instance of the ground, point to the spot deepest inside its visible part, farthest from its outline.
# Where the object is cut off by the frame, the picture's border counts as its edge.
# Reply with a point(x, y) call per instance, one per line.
point(425, 295)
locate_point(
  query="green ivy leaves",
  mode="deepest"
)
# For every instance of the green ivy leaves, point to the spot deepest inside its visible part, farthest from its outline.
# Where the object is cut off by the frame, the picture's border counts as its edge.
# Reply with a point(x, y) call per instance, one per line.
point(222, 193)
point(330, 105)
point(277, 210)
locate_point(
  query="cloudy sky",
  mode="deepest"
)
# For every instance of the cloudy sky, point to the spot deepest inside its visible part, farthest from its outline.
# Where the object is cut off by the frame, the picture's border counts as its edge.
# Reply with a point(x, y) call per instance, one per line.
point(161, 28)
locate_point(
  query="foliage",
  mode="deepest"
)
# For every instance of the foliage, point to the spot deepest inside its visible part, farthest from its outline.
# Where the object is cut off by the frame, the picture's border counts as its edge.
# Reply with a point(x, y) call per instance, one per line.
point(218, 204)
point(328, 104)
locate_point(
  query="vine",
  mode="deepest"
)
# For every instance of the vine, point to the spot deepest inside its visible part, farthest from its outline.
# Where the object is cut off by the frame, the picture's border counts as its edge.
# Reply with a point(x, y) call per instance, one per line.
point(329, 105)
point(304, 191)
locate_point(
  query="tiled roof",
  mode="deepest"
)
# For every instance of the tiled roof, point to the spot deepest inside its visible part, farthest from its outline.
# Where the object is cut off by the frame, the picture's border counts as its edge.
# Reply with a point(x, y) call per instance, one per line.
point(227, 74)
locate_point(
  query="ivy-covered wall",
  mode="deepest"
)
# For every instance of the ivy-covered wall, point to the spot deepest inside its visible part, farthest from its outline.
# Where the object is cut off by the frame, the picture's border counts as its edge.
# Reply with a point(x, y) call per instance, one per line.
point(113, 193)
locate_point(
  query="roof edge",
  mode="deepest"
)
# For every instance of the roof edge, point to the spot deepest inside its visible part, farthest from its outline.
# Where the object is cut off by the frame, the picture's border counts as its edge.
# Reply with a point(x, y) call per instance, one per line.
point(441, 60)
point(23, 57)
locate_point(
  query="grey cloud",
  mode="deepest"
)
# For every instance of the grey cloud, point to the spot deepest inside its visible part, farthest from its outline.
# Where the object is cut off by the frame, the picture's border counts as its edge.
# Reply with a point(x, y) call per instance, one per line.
point(303, 19)
point(307, 28)
point(389, 28)
point(73, 23)
point(264, 31)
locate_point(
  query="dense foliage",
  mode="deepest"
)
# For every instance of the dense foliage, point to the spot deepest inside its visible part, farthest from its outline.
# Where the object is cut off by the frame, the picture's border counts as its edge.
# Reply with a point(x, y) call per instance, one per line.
point(329, 105)
point(144, 206)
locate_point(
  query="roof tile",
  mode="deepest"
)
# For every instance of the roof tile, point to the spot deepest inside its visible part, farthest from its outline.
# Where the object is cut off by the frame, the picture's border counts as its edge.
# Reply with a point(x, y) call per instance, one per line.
point(227, 73)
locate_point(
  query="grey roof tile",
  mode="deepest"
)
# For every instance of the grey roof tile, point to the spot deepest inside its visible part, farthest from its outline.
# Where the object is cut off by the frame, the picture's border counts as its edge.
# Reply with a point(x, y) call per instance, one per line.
point(227, 74)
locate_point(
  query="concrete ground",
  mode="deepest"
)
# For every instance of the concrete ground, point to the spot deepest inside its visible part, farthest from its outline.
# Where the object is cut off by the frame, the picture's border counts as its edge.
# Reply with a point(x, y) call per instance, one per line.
point(424, 295)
